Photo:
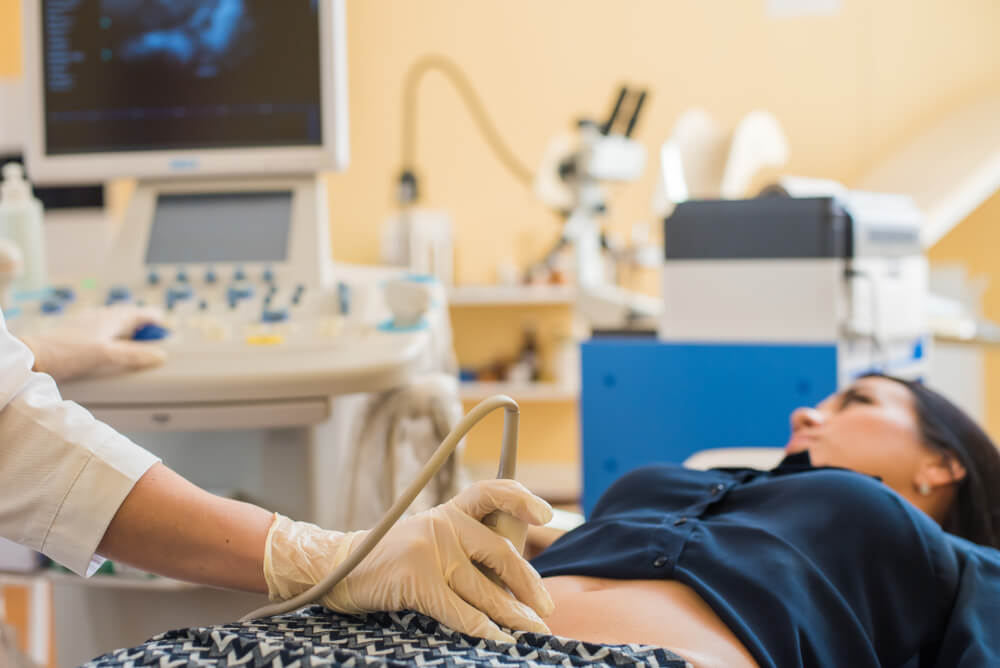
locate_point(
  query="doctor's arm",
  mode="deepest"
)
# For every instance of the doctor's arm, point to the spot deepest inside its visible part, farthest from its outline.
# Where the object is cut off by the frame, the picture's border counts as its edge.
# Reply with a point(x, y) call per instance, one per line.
point(425, 563)
point(169, 526)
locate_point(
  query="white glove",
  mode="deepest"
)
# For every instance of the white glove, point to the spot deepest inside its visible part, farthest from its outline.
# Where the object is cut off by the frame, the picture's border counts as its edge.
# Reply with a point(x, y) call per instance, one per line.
point(424, 563)
point(96, 340)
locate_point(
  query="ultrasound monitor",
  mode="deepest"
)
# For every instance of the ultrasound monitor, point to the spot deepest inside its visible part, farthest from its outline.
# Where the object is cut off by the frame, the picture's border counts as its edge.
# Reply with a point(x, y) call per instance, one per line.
point(158, 89)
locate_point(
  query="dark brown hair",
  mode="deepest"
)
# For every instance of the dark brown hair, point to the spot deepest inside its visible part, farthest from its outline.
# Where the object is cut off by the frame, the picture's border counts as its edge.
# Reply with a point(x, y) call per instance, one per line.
point(946, 428)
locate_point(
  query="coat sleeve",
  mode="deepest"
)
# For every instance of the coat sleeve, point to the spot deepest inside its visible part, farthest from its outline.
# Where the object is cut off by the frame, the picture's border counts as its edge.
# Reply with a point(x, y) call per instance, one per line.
point(63, 474)
point(972, 635)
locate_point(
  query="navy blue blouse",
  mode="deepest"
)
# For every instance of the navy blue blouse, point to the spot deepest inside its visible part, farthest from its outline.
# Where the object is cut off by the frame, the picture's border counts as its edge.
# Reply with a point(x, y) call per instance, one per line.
point(807, 566)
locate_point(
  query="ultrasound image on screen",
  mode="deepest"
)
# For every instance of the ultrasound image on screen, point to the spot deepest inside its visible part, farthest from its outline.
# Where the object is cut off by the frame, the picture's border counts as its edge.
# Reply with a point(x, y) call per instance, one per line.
point(134, 75)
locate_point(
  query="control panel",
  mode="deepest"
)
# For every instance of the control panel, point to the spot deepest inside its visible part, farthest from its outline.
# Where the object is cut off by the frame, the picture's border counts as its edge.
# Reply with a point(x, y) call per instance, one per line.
point(254, 308)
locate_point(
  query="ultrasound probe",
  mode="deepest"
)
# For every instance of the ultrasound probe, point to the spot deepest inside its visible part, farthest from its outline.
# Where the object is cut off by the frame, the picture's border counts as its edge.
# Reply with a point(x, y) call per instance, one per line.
point(502, 523)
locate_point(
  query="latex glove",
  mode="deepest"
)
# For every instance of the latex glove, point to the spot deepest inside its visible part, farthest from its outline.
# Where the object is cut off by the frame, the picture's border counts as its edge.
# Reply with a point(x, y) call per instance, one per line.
point(96, 340)
point(424, 563)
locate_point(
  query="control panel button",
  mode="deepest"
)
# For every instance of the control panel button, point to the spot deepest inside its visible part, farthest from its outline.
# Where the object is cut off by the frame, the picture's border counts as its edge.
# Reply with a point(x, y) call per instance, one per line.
point(150, 332)
point(267, 275)
point(239, 291)
point(65, 293)
point(118, 293)
point(239, 274)
point(53, 306)
point(211, 277)
point(153, 278)
point(297, 295)
point(344, 297)
point(178, 292)
point(274, 315)
point(265, 340)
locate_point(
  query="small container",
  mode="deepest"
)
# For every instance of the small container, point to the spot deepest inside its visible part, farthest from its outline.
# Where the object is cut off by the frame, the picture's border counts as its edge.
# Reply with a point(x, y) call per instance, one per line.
point(21, 222)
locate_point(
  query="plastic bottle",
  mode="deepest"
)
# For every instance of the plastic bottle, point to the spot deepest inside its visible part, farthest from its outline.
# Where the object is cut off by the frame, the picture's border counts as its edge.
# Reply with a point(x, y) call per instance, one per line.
point(21, 222)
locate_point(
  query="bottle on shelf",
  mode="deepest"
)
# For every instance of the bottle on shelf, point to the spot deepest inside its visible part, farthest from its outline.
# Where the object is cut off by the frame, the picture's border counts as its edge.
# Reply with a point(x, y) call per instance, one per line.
point(21, 222)
point(527, 367)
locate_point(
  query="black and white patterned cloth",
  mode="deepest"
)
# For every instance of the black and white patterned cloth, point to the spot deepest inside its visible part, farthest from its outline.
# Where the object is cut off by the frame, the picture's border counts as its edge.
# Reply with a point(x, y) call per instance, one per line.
point(317, 637)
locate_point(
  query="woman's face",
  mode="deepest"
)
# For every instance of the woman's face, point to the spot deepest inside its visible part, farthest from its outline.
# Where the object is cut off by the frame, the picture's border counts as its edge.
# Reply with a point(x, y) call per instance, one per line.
point(871, 427)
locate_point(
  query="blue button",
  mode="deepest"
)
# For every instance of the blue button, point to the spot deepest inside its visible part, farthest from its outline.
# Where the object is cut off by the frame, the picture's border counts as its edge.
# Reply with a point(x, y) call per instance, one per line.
point(420, 278)
point(179, 292)
point(274, 315)
point(53, 306)
point(344, 297)
point(153, 278)
point(182, 276)
point(64, 293)
point(150, 332)
point(268, 275)
point(211, 276)
point(119, 293)
point(203, 305)
point(239, 274)
point(239, 291)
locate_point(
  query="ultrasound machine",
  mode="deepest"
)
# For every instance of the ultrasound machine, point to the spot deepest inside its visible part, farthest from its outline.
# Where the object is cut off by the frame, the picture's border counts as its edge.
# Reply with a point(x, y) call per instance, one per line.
point(227, 114)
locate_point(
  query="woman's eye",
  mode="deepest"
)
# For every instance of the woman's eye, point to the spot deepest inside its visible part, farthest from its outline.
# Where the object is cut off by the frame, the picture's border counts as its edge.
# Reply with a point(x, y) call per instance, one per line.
point(853, 397)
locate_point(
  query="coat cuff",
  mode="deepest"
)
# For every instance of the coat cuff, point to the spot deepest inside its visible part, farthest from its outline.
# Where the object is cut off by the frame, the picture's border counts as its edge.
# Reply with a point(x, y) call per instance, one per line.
point(92, 501)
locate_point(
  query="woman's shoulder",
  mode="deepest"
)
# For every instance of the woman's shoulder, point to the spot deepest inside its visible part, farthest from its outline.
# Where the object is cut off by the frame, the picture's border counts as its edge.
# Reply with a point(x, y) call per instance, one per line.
point(859, 510)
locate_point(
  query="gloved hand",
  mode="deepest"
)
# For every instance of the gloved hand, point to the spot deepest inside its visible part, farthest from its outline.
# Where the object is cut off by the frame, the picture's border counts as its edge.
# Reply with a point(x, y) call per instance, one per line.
point(424, 563)
point(96, 340)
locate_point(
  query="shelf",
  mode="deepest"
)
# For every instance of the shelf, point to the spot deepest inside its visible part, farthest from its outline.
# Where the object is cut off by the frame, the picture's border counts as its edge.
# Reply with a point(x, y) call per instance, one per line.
point(510, 295)
point(476, 391)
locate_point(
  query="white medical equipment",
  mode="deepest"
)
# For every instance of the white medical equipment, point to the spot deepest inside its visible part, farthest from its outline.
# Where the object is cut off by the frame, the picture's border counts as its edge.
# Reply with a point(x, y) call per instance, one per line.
point(227, 230)
point(572, 177)
point(275, 353)
point(845, 271)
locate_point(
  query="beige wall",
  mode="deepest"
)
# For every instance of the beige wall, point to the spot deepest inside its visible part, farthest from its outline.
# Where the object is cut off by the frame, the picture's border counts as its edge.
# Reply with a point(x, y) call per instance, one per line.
point(849, 89)
point(975, 244)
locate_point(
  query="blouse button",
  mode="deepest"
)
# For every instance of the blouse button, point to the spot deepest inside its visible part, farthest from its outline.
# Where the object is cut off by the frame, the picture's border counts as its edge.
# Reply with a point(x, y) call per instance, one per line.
point(661, 562)
point(717, 489)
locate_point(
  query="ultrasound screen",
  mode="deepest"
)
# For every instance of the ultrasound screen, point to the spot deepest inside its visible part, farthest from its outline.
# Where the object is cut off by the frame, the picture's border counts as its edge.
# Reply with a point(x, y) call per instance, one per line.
point(144, 75)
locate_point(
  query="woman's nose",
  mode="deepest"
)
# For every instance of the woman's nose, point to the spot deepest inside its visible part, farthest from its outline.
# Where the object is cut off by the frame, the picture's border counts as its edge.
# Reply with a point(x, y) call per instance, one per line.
point(806, 417)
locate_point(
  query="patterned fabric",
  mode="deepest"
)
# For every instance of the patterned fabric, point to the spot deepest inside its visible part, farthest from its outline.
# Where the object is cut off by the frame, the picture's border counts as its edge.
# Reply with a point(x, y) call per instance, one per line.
point(317, 637)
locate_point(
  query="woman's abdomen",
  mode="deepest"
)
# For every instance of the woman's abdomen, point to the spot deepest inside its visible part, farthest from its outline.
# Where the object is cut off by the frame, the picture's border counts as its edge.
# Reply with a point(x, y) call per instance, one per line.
point(654, 612)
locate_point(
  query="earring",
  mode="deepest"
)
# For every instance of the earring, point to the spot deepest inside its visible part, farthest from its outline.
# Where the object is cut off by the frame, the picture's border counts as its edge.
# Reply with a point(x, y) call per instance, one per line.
point(924, 489)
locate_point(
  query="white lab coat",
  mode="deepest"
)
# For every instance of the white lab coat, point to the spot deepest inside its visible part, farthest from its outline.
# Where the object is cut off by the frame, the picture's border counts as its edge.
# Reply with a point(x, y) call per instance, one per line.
point(63, 474)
